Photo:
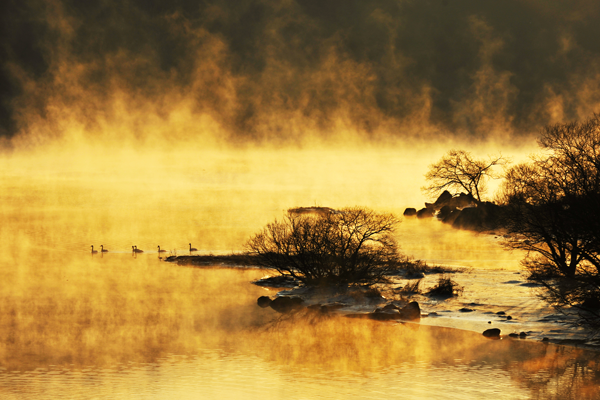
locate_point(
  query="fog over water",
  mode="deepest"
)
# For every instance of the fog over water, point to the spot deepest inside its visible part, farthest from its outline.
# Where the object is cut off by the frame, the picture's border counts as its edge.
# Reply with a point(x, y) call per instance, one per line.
point(147, 124)
point(123, 325)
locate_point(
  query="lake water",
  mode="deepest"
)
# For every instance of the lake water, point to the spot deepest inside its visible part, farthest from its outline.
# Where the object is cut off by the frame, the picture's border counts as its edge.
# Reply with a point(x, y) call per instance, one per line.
point(76, 325)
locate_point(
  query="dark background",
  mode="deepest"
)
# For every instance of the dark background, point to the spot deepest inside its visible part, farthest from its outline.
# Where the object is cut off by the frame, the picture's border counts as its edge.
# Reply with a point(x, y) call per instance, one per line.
point(463, 67)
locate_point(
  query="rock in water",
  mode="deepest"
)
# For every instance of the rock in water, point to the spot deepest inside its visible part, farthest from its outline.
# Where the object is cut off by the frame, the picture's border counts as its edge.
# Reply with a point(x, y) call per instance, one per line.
point(263, 301)
point(386, 315)
point(410, 212)
point(493, 333)
point(411, 312)
point(424, 213)
point(483, 217)
point(286, 304)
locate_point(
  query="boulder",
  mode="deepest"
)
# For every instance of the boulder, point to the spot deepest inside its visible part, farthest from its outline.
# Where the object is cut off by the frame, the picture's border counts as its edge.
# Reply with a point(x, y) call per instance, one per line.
point(444, 198)
point(390, 306)
point(444, 212)
point(461, 201)
point(483, 217)
point(410, 312)
point(263, 301)
point(451, 217)
point(385, 315)
point(285, 304)
point(410, 212)
point(425, 213)
point(493, 333)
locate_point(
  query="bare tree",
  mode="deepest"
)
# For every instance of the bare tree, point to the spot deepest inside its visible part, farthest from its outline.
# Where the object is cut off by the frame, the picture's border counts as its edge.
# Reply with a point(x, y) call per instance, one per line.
point(552, 210)
point(552, 203)
point(353, 245)
point(458, 170)
point(539, 219)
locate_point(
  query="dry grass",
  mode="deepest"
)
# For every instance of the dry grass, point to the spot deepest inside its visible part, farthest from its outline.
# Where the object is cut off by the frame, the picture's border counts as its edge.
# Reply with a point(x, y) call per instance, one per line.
point(411, 288)
point(446, 287)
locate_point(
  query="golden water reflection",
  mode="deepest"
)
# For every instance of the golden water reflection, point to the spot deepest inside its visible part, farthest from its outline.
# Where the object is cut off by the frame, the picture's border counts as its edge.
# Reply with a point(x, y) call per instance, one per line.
point(120, 326)
point(110, 326)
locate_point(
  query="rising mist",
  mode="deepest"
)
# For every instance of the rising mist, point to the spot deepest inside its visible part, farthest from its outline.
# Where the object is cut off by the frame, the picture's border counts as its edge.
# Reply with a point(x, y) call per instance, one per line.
point(288, 72)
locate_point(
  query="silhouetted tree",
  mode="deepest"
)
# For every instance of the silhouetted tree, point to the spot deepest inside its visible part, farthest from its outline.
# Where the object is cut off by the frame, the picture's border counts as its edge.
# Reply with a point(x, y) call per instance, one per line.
point(353, 245)
point(458, 170)
point(552, 210)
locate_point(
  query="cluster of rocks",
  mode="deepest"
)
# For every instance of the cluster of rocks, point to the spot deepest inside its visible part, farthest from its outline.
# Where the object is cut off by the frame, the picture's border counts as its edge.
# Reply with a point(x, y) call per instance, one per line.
point(281, 304)
point(288, 304)
point(462, 211)
point(389, 312)
point(410, 312)
point(494, 333)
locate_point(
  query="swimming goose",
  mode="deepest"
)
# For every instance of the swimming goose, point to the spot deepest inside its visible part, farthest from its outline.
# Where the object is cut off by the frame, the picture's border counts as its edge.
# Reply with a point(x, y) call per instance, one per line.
point(192, 248)
point(136, 250)
point(102, 249)
point(94, 251)
point(161, 251)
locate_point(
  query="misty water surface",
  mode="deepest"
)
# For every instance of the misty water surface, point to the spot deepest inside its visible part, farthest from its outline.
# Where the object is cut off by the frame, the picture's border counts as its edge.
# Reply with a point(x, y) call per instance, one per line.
point(183, 123)
point(125, 326)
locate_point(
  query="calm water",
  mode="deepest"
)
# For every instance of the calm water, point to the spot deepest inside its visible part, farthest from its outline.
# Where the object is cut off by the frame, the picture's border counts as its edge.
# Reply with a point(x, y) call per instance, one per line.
point(122, 326)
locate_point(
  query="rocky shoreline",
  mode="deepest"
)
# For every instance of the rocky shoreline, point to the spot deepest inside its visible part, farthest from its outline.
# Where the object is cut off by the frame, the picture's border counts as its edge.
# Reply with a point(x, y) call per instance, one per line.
point(364, 302)
point(357, 302)
point(461, 212)
point(360, 302)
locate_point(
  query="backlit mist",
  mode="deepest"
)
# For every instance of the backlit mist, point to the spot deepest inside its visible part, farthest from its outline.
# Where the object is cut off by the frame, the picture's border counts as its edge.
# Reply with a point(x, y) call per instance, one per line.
point(182, 123)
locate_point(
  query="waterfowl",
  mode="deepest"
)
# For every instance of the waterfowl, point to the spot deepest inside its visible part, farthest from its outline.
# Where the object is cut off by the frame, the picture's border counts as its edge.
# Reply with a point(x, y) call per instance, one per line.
point(102, 249)
point(161, 251)
point(192, 248)
point(94, 251)
point(136, 250)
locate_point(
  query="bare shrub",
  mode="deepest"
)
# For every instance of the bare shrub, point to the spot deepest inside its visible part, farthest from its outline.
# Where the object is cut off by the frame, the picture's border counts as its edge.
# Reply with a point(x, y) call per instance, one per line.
point(411, 287)
point(349, 246)
point(445, 287)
